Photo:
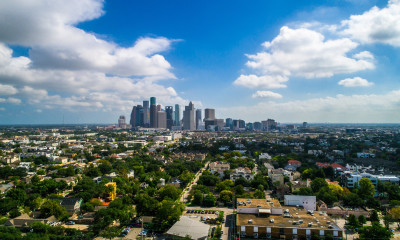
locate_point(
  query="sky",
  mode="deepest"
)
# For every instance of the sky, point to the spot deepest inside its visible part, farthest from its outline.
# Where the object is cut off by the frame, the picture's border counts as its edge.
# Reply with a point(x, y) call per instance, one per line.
point(90, 61)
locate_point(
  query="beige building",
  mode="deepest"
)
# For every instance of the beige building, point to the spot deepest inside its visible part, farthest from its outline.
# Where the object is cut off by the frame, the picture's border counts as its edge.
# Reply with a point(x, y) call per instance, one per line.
point(266, 218)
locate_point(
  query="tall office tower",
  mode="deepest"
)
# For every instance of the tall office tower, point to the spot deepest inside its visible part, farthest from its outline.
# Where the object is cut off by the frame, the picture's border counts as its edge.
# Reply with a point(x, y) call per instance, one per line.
point(121, 122)
point(188, 117)
point(139, 116)
point(133, 120)
point(257, 126)
point(153, 112)
point(242, 123)
point(198, 118)
point(305, 125)
point(209, 114)
point(177, 115)
point(158, 107)
point(170, 122)
point(161, 119)
point(229, 123)
point(146, 114)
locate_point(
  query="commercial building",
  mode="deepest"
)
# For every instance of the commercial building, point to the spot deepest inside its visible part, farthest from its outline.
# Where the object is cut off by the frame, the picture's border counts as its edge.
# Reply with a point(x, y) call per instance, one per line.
point(161, 119)
point(198, 119)
point(209, 114)
point(177, 115)
point(189, 118)
point(146, 114)
point(266, 218)
point(169, 111)
point(153, 113)
point(349, 179)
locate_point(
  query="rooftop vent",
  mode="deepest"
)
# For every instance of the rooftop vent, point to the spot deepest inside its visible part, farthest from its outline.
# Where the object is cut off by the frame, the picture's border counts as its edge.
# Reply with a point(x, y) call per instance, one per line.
point(310, 224)
point(271, 220)
point(250, 220)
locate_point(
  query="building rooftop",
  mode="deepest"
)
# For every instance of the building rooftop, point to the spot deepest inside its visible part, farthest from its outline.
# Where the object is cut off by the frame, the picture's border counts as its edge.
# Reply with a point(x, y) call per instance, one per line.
point(258, 203)
point(319, 221)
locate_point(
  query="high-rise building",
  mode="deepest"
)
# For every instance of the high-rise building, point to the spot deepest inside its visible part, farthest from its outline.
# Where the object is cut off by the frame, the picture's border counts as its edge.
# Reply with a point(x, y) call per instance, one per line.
point(177, 115)
point(229, 123)
point(146, 114)
point(132, 121)
point(153, 113)
point(198, 119)
point(188, 117)
point(121, 122)
point(170, 122)
point(138, 116)
point(158, 107)
point(269, 125)
point(209, 114)
point(161, 119)
point(257, 126)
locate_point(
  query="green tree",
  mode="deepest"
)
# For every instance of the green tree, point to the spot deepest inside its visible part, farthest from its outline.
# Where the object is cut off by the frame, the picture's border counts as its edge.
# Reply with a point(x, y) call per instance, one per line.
point(259, 194)
point(209, 200)
point(317, 184)
point(352, 221)
point(110, 232)
point(197, 197)
point(366, 189)
point(376, 231)
point(374, 217)
point(17, 195)
point(53, 207)
point(168, 192)
point(226, 196)
point(362, 220)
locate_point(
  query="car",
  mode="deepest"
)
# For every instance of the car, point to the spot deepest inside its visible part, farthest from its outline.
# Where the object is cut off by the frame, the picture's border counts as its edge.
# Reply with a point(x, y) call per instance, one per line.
point(70, 223)
point(144, 232)
point(223, 220)
point(188, 211)
point(202, 212)
point(206, 212)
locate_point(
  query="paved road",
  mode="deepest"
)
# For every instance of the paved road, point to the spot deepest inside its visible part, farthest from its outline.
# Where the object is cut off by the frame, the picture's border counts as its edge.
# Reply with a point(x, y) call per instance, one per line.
point(186, 191)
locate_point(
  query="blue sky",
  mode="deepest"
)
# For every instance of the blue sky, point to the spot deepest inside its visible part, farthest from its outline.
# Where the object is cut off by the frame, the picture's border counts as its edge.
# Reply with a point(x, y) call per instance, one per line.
point(89, 61)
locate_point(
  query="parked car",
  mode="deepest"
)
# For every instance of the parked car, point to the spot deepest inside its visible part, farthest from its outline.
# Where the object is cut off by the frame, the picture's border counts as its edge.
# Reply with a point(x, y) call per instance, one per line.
point(70, 223)
point(144, 232)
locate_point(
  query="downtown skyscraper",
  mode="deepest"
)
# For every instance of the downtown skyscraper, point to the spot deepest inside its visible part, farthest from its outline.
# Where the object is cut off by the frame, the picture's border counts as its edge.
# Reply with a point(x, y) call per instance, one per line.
point(153, 113)
point(189, 118)
point(177, 115)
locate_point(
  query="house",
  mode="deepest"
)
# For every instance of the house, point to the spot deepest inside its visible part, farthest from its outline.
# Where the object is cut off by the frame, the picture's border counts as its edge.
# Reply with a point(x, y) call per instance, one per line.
point(25, 221)
point(72, 205)
point(219, 167)
point(242, 172)
point(264, 156)
point(295, 163)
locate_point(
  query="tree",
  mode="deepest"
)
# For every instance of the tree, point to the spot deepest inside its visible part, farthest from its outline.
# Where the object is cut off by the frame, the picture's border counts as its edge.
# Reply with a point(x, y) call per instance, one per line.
point(353, 200)
point(209, 200)
point(168, 213)
point(53, 207)
point(395, 213)
point(366, 189)
point(197, 197)
point(226, 196)
point(87, 207)
point(239, 190)
point(317, 184)
point(168, 192)
point(352, 221)
point(362, 220)
point(17, 195)
point(110, 232)
point(376, 231)
point(374, 217)
point(259, 194)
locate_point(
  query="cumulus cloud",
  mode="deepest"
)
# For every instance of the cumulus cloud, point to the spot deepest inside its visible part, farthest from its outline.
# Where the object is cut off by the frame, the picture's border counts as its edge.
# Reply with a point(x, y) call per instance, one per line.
point(254, 81)
point(68, 68)
point(266, 94)
point(304, 53)
point(378, 25)
point(11, 100)
point(355, 82)
point(370, 108)
point(7, 90)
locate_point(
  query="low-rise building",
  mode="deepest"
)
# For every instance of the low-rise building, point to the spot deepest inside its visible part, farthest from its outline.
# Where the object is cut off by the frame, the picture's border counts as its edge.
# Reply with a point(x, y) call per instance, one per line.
point(264, 218)
point(219, 167)
point(242, 172)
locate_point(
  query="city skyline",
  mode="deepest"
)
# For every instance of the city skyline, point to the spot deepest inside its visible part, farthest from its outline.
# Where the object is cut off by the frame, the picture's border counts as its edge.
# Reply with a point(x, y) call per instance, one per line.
point(90, 61)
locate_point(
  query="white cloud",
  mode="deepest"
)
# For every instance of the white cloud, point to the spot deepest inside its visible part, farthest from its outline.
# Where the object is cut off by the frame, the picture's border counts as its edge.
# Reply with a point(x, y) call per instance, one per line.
point(254, 81)
point(2, 109)
point(355, 82)
point(7, 90)
point(376, 25)
point(305, 53)
point(371, 108)
point(266, 94)
point(13, 100)
point(71, 69)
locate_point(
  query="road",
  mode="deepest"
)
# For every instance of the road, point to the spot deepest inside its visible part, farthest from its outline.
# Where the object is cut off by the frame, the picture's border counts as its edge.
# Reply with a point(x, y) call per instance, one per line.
point(186, 191)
